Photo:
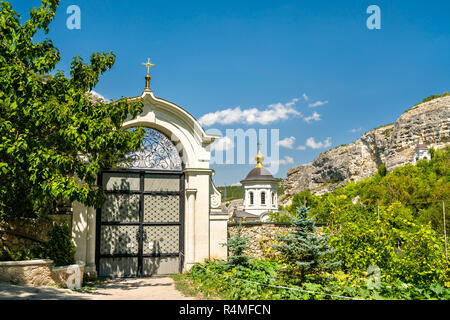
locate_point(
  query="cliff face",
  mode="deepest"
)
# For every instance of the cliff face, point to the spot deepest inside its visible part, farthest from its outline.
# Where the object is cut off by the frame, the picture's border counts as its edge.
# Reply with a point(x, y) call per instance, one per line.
point(393, 144)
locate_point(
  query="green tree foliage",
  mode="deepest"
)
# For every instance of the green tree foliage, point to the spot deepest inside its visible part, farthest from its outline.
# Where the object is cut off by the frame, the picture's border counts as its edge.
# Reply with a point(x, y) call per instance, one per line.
point(393, 220)
point(305, 251)
point(390, 220)
point(231, 192)
point(237, 245)
point(390, 239)
point(54, 139)
point(435, 96)
point(303, 198)
point(280, 216)
point(237, 192)
point(382, 170)
point(215, 279)
point(418, 187)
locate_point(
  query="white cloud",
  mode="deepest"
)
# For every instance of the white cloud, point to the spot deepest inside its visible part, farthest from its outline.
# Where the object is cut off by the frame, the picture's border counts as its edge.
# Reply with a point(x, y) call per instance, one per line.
point(291, 103)
point(98, 95)
point(315, 116)
point(286, 160)
point(287, 143)
point(222, 144)
point(305, 97)
point(355, 130)
point(317, 104)
point(311, 142)
point(271, 114)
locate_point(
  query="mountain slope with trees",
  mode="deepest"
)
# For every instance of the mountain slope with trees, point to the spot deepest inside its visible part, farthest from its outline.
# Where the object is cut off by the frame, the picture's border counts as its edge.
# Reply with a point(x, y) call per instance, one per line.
point(392, 145)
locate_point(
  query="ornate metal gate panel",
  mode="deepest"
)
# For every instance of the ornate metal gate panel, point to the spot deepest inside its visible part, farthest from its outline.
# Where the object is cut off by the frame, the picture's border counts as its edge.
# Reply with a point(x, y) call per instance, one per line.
point(140, 230)
point(140, 226)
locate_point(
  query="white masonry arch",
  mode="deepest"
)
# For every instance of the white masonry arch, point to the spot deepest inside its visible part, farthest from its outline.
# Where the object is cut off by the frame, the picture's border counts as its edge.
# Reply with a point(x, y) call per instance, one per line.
point(205, 224)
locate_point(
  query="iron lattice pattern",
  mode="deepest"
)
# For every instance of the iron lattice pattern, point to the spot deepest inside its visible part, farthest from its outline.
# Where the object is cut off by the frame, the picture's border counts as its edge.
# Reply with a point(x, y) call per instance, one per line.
point(119, 240)
point(121, 181)
point(118, 267)
point(121, 208)
point(161, 239)
point(161, 183)
point(161, 208)
point(157, 152)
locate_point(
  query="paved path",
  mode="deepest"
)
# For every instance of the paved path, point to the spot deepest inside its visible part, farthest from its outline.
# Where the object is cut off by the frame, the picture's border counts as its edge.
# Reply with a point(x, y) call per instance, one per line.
point(119, 289)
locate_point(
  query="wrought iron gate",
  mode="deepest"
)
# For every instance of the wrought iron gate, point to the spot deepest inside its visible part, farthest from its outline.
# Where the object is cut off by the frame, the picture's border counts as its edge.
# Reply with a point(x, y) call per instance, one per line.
point(140, 226)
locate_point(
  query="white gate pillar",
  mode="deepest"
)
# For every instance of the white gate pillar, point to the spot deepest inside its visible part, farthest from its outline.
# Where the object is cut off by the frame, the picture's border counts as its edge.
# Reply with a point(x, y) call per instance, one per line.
point(190, 228)
point(90, 242)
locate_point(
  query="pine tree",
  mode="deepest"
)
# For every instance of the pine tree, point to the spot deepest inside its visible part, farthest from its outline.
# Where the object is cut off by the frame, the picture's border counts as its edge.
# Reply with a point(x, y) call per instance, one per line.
point(303, 248)
point(237, 246)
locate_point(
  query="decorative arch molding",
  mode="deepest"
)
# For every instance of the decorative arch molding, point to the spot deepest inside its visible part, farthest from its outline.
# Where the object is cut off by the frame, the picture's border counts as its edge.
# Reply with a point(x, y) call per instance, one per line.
point(158, 152)
point(215, 195)
point(181, 142)
point(179, 126)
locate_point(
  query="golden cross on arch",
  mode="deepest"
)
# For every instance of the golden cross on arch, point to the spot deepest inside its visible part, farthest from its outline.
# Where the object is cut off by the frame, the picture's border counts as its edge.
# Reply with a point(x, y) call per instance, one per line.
point(148, 65)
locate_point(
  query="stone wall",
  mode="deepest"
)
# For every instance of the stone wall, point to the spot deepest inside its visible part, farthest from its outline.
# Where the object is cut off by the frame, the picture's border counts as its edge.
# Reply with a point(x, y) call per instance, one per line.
point(68, 276)
point(32, 272)
point(261, 236)
point(39, 273)
point(27, 233)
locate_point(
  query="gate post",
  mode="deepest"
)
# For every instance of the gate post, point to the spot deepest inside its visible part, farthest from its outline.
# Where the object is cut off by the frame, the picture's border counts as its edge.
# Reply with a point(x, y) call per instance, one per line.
point(90, 268)
point(190, 227)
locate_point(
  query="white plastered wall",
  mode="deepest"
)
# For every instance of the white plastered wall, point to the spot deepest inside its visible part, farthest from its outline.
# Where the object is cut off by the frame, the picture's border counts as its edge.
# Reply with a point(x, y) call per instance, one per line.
point(205, 225)
point(257, 188)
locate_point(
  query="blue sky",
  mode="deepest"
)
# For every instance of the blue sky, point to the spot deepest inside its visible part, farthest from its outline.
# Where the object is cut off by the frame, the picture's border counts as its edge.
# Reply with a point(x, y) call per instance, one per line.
point(218, 55)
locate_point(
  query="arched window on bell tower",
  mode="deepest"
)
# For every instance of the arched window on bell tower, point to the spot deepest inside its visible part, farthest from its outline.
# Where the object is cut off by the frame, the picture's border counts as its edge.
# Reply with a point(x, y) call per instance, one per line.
point(263, 197)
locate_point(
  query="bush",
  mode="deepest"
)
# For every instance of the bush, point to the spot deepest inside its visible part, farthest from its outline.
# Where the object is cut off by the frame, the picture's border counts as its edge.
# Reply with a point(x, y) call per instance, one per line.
point(59, 247)
point(404, 250)
point(215, 279)
point(24, 254)
point(280, 216)
point(305, 251)
point(237, 245)
point(435, 96)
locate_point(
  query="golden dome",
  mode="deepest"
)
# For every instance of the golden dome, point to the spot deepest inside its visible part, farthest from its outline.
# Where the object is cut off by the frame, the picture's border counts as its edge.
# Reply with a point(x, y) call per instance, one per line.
point(259, 158)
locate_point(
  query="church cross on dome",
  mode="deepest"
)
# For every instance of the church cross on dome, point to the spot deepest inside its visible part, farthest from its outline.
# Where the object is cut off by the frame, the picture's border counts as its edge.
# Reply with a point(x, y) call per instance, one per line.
point(148, 64)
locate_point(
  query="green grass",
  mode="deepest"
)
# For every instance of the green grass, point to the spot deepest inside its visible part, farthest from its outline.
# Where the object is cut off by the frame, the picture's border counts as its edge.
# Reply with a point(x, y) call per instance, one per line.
point(185, 285)
point(91, 285)
point(213, 280)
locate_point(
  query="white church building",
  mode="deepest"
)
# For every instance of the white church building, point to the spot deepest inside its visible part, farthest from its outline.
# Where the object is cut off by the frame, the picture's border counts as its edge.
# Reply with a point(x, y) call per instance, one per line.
point(260, 193)
point(421, 152)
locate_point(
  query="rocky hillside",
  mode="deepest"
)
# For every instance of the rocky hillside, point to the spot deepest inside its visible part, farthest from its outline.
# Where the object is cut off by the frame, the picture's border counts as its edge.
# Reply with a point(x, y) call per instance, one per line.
point(393, 144)
point(230, 206)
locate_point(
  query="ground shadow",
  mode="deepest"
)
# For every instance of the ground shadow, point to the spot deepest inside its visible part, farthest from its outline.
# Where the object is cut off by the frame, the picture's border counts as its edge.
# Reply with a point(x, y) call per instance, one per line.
point(21, 292)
